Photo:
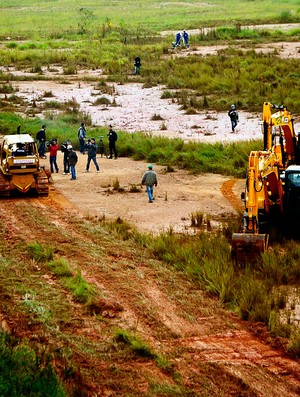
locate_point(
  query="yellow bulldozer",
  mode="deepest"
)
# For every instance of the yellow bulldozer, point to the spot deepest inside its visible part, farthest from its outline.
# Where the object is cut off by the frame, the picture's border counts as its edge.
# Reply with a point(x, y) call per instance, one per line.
point(272, 189)
point(20, 168)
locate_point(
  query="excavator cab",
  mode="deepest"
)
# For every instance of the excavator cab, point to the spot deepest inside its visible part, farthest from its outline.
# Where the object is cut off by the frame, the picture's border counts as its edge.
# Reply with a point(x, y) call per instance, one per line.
point(292, 192)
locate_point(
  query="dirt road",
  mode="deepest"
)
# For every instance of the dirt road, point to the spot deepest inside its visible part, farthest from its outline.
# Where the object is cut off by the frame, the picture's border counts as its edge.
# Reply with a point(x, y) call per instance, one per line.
point(212, 352)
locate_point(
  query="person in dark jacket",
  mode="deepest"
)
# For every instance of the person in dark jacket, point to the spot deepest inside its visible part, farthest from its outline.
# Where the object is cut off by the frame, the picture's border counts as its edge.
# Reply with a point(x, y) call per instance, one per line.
point(137, 65)
point(150, 179)
point(64, 150)
point(81, 137)
point(112, 139)
point(234, 117)
point(41, 138)
point(73, 158)
point(92, 148)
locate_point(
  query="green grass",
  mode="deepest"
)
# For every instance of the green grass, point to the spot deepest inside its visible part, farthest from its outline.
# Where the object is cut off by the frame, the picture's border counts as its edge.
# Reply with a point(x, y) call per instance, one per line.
point(25, 372)
point(68, 18)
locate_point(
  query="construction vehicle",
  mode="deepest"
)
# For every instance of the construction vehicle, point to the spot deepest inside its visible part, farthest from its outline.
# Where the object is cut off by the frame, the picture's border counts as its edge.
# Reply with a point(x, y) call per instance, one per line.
point(20, 168)
point(272, 189)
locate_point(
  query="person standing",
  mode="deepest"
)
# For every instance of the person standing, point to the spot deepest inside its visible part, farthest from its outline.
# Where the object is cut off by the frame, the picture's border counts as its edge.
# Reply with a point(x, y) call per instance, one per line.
point(185, 37)
point(81, 137)
point(73, 158)
point(177, 41)
point(137, 66)
point(112, 139)
point(41, 138)
point(92, 148)
point(150, 179)
point(234, 117)
point(53, 149)
point(64, 150)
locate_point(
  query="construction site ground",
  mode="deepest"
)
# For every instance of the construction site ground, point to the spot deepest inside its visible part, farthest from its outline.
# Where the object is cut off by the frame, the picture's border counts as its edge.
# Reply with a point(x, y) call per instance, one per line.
point(212, 351)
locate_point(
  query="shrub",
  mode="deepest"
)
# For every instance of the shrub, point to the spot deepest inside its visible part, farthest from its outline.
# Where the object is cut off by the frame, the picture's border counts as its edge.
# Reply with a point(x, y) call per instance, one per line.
point(24, 372)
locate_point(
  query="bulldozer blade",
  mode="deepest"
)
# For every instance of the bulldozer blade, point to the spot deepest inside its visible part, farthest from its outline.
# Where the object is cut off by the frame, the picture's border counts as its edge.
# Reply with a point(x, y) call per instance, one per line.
point(246, 248)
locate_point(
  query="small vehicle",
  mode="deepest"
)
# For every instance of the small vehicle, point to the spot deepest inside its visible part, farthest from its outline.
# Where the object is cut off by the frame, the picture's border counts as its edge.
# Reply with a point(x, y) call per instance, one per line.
point(20, 168)
point(272, 190)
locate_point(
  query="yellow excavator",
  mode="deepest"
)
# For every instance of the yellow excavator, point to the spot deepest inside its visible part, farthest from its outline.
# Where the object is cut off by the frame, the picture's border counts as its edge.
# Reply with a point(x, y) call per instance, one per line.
point(20, 168)
point(272, 190)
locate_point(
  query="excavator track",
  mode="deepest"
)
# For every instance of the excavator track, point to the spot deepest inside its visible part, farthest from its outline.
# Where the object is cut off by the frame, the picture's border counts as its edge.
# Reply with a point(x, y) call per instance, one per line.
point(4, 186)
point(42, 182)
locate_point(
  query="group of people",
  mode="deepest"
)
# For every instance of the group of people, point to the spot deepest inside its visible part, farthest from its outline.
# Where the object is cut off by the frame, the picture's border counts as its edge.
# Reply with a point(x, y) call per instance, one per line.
point(181, 38)
point(90, 146)
point(70, 157)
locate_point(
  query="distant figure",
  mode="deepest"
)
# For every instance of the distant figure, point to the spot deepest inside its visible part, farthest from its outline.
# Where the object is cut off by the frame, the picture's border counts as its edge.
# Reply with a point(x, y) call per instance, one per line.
point(53, 149)
point(234, 117)
point(101, 146)
point(177, 41)
point(150, 179)
point(41, 138)
point(92, 148)
point(137, 66)
point(73, 158)
point(112, 139)
point(64, 150)
point(185, 37)
point(81, 137)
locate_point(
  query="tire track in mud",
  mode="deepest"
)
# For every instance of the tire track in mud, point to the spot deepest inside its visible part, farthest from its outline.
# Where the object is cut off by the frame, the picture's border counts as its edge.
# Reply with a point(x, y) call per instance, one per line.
point(239, 353)
point(227, 192)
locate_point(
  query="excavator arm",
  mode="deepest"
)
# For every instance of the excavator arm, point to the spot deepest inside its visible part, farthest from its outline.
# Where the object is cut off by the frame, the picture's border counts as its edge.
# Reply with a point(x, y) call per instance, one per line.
point(264, 188)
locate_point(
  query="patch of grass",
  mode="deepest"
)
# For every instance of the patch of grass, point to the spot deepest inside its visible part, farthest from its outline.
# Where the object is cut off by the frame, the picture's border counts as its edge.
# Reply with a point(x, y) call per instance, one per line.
point(102, 101)
point(6, 89)
point(82, 291)
point(133, 344)
point(293, 347)
point(134, 188)
point(24, 372)
point(40, 253)
point(197, 218)
point(156, 117)
point(116, 184)
point(60, 268)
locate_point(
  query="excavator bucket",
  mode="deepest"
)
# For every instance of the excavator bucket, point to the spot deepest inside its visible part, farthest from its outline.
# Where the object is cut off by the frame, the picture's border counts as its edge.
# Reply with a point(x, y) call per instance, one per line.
point(246, 248)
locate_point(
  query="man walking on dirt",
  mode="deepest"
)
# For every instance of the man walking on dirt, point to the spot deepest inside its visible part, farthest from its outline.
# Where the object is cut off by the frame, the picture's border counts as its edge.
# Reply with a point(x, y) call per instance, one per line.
point(150, 179)
point(41, 138)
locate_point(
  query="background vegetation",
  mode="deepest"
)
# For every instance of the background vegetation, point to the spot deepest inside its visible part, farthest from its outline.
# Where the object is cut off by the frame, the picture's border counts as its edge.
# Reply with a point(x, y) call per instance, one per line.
point(58, 18)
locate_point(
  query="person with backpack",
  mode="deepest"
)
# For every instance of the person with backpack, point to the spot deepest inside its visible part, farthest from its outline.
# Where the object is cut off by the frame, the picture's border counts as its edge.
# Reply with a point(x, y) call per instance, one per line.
point(234, 117)
point(112, 139)
point(81, 137)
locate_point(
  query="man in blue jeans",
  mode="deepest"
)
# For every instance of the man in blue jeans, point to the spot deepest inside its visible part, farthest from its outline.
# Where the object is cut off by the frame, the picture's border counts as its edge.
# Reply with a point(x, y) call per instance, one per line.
point(92, 148)
point(234, 116)
point(150, 179)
